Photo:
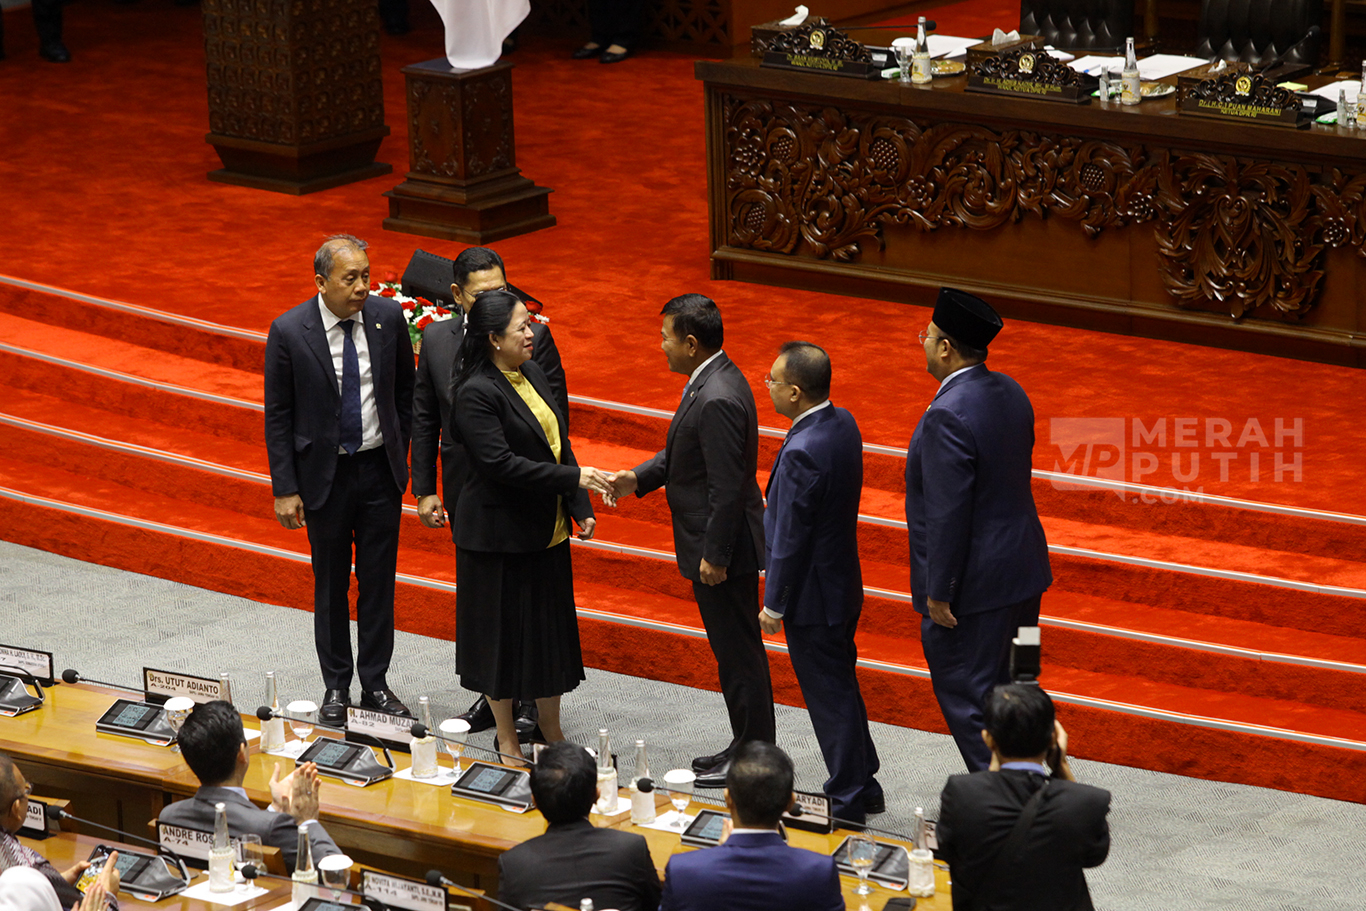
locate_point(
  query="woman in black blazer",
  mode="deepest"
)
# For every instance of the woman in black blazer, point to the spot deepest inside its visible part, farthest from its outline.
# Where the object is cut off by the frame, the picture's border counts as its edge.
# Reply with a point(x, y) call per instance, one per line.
point(517, 635)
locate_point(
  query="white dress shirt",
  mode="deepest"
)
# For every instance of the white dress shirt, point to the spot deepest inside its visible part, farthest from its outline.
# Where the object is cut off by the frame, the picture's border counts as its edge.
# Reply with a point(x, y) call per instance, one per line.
point(370, 435)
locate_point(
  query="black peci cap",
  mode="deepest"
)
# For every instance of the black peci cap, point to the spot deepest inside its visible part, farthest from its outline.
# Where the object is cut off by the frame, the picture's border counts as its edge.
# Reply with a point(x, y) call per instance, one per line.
point(966, 318)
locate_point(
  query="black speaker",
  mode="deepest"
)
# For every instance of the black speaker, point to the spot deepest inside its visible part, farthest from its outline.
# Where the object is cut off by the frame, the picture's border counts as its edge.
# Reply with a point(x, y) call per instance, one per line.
point(430, 276)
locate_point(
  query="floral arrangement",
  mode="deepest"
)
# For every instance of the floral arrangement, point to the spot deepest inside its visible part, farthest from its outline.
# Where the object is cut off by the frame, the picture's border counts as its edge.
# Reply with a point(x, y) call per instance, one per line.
point(419, 312)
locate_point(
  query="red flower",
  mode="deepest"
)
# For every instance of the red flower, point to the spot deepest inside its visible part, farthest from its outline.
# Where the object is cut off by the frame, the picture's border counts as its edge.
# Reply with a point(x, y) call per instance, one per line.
point(442, 311)
point(388, 292)
point(425, 322)
point(374, 286)
point(391, 276)
point(410, 306)
point(424, 302)
point(533, 306)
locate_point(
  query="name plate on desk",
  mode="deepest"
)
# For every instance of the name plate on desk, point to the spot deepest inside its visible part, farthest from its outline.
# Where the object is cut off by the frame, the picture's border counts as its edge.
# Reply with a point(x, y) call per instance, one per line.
point(816, 813)
point(1246, 97)
point(395, 731)
point(162, 685)
point(397, 892)
point(819, 47)
point(35, 820)
point(32, 661)
point(191, 844)
point(1031, 74)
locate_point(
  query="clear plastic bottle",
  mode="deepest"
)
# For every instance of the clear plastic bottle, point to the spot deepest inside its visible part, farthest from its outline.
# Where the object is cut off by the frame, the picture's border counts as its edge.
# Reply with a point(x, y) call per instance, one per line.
point(607, 776)
point(305, 874)
point(225, 687)
point(920, 57)
point(221, 855)
point(1133, 85)
point(272, 731)
point(424, 748)
point(1361, 117)
point(642, 802)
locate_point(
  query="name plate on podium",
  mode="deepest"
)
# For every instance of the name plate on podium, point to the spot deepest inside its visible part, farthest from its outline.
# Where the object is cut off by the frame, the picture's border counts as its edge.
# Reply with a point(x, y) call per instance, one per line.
point(819, 47)
point(397, 892)
point(163, 685)
point(31, 661)
point(35, 820)
point(369, 725)
point(127, 718)
point(495, 784)
point(1031, 74)
point(1245, 97)
point(816, 813)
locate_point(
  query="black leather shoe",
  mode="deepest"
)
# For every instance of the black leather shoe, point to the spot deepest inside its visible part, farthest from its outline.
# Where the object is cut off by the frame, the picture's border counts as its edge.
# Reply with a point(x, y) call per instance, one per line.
point(715, 777)
point(873, 806)
point(703, 763)
point(614, 57)
point(585, 52)
point(55, 51)
point(333, 710)
point(527, 720)
point(479, 716)
point(384, 701)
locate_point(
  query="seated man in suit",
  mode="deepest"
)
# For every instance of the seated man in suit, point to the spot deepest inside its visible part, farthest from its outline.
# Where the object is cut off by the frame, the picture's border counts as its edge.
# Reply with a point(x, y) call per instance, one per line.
point(1014, 837)
point(574, 859)
point(216, 751)
point(15, 855)
point(753, 869)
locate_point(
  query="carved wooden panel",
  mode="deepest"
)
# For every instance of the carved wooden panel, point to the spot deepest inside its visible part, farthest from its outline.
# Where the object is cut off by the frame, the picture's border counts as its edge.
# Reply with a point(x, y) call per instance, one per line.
point(460, 127)
point(1233, 234)
point(292, 71)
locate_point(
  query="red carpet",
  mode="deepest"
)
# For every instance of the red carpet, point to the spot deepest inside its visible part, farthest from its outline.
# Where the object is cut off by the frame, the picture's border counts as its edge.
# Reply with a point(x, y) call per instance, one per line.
point(105, 195)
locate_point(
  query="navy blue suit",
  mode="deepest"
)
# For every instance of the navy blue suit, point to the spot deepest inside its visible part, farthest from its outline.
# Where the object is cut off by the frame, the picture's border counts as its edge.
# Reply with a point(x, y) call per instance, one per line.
point(976, 541)
point(814, 581)
point(752, 871)
point(349, 501)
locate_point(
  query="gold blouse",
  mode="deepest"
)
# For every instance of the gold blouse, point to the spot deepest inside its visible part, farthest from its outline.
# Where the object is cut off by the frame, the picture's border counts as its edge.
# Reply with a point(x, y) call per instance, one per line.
point(551, 427)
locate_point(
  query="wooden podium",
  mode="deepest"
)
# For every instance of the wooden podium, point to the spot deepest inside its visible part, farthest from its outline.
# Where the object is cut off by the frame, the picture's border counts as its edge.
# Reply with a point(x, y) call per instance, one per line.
point(464, 183)
point(296, 103)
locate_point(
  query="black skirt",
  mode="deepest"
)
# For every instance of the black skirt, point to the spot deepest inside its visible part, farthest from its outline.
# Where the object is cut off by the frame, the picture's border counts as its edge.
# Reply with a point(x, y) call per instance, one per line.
point(516, 632)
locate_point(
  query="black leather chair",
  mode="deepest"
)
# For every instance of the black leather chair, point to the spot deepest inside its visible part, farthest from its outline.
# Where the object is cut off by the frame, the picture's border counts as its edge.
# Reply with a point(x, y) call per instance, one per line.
point(1261, 32)
point(1079, 24)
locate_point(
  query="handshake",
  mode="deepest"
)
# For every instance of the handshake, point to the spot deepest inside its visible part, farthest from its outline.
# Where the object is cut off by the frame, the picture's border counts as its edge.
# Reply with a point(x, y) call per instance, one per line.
point(612, 486)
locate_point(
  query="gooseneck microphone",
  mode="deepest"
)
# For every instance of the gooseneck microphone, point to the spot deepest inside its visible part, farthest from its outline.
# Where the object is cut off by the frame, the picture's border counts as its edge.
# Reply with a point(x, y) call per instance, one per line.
point(70, 676)
point(419, 730)
point(265, 713)
point(434, 878)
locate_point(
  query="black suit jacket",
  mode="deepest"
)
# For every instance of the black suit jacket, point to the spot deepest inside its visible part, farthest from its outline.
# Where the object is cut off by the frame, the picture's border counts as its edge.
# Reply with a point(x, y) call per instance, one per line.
point(708, 467)
point(1070, 833)
point(510, 496)
point(303, 404)
point(246, 818)
point(433, 430)
point(575, 860)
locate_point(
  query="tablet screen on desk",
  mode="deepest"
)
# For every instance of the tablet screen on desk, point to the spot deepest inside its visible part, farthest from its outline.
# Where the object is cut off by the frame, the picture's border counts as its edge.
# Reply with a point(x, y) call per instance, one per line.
point(487, 781)
point(707, 826)
point(135, 715)
point(331, 754)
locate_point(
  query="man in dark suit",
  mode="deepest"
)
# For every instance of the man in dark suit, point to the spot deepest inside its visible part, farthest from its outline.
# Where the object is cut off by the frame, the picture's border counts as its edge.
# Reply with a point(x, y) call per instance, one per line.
point(708, 468)
point(814, 584)
point(574, 859)
point(215, 749)
point(753, 869)
point(1014, 838)
point(338, 410)
point(979, 560)
point(476, 269)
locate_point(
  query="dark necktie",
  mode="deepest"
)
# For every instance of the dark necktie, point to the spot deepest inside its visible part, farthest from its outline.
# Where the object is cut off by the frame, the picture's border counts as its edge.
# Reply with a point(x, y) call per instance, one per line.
point(350, 395)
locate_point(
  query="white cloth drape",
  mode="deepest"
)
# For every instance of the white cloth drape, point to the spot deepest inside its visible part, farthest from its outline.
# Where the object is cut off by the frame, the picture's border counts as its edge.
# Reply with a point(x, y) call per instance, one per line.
point(475, 29)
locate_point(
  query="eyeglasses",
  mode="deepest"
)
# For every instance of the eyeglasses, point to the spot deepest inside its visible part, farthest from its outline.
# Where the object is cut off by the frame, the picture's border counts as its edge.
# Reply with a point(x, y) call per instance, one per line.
point(770, 382)
point(924, 334)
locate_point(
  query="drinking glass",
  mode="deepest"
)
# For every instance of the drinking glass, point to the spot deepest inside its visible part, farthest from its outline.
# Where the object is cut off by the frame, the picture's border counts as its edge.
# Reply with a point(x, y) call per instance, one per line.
point(902, 48)
point(251, 851)
point(455, 730)
point(862, 852)
point(307, 712)
point(177, 709)
point(335, 872)
point(680, 784)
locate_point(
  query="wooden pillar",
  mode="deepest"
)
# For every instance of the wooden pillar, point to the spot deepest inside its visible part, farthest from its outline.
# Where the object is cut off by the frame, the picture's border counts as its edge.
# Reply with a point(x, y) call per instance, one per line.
point(295, 98)
point(464, 183)
point(1337, 36)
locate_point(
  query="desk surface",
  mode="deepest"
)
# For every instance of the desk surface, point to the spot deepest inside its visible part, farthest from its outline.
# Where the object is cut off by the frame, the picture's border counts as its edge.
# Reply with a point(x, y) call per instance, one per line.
point(399, 825)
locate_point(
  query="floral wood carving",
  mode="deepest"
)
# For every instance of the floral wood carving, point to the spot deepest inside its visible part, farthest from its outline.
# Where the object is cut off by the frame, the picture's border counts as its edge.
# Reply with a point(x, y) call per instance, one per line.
point(1030, 64)
point(820, 39)
point(1233, 234)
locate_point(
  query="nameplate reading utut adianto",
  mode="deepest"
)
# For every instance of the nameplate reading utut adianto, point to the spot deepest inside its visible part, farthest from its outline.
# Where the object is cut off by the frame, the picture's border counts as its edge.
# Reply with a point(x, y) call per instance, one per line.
point(162, 685)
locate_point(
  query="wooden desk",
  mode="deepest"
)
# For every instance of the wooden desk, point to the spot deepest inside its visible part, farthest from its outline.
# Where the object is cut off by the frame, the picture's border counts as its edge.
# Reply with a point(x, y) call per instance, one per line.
point(66, 849)
point(1097, 215)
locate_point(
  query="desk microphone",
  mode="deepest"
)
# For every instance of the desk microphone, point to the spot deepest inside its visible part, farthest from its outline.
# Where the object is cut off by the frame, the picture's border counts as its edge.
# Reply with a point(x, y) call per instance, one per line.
point(434, 878)
point(265, 713)
point(26, 678)
point(419, 730)
point(70, 676)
